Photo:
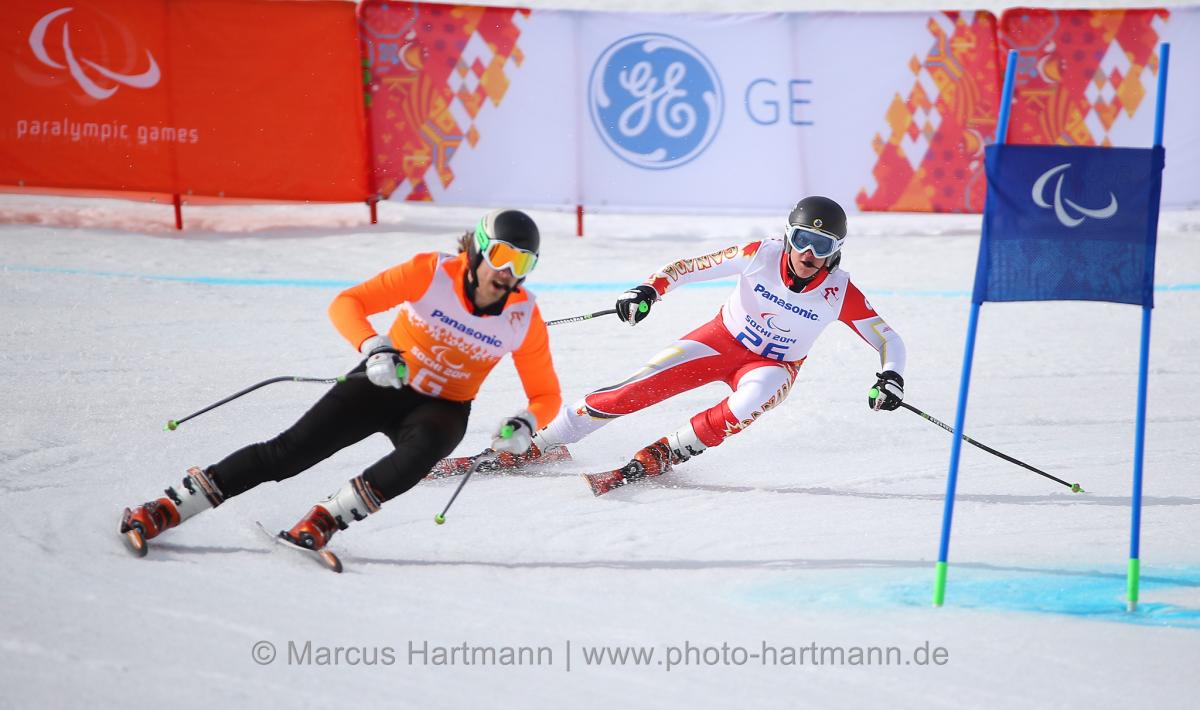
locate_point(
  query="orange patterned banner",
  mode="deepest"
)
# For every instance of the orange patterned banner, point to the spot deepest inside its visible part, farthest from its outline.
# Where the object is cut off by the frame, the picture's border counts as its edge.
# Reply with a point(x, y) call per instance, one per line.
point(931, 158)
point(432, 70)
point(1080, 73)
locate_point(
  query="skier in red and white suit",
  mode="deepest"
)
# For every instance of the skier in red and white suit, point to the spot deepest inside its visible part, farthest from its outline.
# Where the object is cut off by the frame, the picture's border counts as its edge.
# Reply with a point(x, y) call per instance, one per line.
point(789, 290)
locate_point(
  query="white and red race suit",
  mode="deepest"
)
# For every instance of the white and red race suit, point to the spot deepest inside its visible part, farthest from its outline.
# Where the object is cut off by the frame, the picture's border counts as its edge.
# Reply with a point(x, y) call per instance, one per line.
point(755, 345)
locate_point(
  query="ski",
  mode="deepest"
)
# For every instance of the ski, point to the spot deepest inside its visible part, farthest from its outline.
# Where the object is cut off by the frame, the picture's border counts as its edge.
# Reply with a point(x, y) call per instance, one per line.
point(453, 466)
point(459, 465)
point(132, 535)
point(602, 483)
point(135, 543)
point(325, 558)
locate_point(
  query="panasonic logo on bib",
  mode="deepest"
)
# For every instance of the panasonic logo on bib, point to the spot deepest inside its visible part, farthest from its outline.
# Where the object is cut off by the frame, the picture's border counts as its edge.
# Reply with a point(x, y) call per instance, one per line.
point(802, 312)
point(466, 330)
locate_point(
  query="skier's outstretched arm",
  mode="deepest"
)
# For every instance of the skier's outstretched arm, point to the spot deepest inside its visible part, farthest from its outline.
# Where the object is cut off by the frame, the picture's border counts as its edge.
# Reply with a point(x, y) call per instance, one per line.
point(634, 305)
point(888, 391)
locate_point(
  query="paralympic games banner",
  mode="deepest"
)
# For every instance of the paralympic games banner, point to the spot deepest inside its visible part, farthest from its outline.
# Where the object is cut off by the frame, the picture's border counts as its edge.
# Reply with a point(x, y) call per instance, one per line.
point(227, 98)
point(884, 111)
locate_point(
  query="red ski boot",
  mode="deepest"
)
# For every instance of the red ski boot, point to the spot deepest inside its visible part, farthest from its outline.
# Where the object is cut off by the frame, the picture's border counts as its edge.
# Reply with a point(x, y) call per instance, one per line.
point(314, 530)
point(353, 501)
point(147, 521)
point(151, 519)
point(654, 460)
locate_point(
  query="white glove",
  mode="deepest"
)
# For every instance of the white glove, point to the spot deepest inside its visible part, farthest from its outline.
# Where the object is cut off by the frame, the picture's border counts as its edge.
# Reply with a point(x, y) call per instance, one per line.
point(518, 442)
point(385, 366)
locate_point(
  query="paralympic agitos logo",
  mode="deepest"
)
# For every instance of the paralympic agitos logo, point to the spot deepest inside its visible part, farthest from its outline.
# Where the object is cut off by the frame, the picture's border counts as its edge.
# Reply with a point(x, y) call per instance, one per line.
point(1064, 207)
point(52, 48)
point(769, 318)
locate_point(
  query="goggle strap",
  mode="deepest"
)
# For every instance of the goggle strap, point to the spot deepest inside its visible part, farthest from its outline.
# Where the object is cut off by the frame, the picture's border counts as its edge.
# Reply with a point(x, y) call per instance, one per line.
point(481, 237)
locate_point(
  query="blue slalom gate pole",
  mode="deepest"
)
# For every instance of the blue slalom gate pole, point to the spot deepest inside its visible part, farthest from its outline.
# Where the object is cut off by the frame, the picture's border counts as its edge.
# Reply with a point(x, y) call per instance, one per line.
point(939, 586)
point(1133, 575)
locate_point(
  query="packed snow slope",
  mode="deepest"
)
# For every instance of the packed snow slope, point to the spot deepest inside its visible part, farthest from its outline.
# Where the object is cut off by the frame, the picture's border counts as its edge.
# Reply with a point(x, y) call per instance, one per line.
point(815, 530)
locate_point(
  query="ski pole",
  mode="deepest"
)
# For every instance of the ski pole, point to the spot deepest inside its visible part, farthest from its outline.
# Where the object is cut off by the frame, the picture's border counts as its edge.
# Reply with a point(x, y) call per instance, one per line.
point(642, 308)
point(485, 456)
point(1075, 487)
point(482, 458)
point(173, 424)
point(586, 316)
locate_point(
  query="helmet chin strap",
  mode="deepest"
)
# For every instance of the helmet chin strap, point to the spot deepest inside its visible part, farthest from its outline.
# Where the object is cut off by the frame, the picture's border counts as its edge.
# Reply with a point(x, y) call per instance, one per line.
point(798, 283)
point(471, 284)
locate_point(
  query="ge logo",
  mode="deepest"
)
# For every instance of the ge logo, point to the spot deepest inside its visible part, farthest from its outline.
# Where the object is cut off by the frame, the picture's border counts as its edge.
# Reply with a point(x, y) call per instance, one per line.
point(655, 100)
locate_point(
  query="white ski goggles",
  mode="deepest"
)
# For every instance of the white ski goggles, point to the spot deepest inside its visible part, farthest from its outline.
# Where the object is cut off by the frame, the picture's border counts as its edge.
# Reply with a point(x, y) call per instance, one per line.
point(821, 244)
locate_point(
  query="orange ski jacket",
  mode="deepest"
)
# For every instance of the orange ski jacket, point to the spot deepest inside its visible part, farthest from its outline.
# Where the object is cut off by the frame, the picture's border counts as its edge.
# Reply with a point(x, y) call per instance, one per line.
point(449, 350)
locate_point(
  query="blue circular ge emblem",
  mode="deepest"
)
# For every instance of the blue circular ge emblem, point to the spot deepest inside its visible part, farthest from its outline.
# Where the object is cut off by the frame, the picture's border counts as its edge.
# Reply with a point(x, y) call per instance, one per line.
point(655, 100)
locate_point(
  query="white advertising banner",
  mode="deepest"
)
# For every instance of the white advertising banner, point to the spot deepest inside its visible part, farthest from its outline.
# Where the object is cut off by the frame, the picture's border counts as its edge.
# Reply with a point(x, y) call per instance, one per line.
point(880, 111)
point(1181, 134)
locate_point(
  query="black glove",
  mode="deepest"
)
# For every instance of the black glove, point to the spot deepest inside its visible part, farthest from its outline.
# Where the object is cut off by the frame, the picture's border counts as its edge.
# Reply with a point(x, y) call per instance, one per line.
point(888, 391)
point(634, 304)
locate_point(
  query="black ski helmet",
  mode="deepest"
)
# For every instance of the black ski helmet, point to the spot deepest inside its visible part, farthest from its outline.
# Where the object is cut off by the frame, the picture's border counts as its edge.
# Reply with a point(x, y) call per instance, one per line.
point(820, 214)
point(508, 226)
point(511, 226)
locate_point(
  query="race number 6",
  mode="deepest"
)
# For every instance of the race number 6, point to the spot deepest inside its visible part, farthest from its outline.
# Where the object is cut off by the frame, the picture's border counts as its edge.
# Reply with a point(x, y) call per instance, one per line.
point(752, 340)
point(428, 382)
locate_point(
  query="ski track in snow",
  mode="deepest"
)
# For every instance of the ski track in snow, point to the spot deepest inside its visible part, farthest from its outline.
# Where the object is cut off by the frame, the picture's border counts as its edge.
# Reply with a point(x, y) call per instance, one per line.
point(817, 525)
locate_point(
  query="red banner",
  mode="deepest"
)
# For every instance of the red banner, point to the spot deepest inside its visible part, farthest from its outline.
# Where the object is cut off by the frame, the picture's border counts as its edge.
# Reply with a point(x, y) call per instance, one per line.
point(1079, 71)
point(433, 69)
point(225, 98)
point(961, 67)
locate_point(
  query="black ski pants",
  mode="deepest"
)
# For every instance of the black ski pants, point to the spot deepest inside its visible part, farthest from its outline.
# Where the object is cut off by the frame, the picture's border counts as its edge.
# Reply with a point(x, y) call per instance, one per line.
point(423, 429)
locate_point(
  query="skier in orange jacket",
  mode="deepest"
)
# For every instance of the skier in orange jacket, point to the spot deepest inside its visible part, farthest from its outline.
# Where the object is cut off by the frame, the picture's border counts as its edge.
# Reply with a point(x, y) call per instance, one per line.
point(459, 315)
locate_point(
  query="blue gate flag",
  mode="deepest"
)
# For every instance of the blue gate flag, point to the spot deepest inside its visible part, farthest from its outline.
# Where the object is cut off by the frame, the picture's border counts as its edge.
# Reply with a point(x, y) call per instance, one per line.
point(1069, 224)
